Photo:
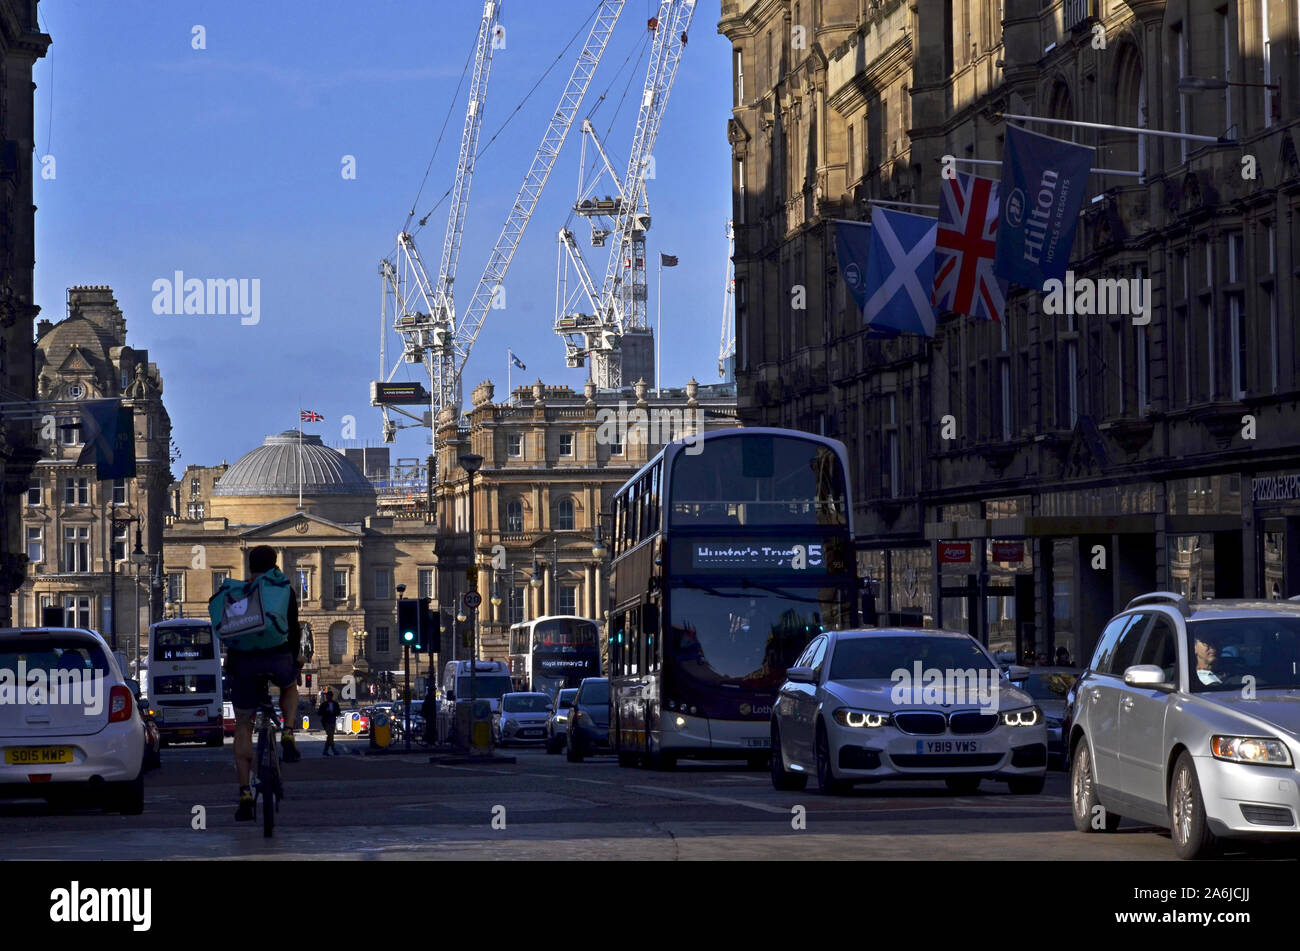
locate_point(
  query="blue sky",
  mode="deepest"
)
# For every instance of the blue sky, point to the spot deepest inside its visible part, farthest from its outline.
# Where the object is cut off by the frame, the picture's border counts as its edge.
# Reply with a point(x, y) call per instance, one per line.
point(226, 163)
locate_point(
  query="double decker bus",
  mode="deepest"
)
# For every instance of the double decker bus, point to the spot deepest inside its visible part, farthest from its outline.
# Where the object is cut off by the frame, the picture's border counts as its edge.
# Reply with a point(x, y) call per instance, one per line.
point(554, 652)
point(184, 682)
point(730, 552)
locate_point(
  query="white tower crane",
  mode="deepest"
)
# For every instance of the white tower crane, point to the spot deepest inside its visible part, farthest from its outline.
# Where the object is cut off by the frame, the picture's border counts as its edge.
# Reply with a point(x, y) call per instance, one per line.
point(619, 304)
point(447, 345)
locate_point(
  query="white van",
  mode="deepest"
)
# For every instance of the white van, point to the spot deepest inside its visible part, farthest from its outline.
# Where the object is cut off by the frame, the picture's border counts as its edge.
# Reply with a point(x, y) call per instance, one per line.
point(491, 682)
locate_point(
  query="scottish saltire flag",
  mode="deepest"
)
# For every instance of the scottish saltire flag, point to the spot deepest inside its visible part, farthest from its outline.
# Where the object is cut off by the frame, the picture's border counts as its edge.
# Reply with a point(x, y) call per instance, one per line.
point(1043, 181)
point(900, 272)
point(515, 360)
point(964, 248)
point(310, 416)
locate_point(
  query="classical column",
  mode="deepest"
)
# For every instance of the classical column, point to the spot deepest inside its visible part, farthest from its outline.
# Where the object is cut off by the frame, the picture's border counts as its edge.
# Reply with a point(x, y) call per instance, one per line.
point(546, 587)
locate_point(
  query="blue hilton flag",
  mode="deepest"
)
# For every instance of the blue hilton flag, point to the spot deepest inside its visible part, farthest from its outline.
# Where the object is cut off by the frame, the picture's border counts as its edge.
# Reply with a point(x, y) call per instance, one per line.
point(900, 273)
point(852, 240)
point(1043, 181)
point(108, 431)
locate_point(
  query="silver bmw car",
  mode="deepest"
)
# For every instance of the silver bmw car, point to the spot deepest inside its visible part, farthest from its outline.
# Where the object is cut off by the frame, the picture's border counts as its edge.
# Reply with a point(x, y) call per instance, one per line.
point(864, 706)
point(1188, 718)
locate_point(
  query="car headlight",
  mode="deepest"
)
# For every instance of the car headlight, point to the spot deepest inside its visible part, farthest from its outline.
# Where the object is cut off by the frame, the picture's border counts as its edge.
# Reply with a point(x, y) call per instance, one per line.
point(1263, 750)
point(1028, 716)
point(861, 719)
point(561, 718)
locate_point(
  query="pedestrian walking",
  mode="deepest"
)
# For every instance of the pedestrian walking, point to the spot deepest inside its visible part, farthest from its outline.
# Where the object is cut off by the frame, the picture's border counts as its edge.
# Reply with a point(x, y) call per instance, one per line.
point(329, 712)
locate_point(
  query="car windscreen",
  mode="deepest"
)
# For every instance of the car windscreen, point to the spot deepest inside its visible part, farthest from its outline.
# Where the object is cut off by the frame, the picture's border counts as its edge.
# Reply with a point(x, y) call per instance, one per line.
point(486, 686)
point(566, 697)
point(877, 658)
point(1048, 686)
point(594, 694)
point(1231, 653)
point(526, 703)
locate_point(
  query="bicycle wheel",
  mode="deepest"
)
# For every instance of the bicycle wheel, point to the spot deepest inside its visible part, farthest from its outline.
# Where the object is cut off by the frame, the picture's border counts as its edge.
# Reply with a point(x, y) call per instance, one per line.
point(267, 776)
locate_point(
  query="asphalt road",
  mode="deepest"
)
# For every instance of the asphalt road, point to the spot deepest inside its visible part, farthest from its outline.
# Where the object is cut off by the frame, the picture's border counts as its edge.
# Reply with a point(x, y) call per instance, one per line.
point(398, 806)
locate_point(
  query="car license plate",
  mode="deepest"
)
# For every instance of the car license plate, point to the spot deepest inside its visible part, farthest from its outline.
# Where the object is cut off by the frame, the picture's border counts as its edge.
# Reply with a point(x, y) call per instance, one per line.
point(530, 732)
point(759, 742)
point(947, 746)
point(37, 755)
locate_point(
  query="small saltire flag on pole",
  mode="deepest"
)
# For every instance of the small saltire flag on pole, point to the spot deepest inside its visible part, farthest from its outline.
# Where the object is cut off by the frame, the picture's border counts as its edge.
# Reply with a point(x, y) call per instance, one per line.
point(900, 272)
point(515, 360)
point(667, 260)
point(965, 245)
point(1043, 181)
point(310, 416)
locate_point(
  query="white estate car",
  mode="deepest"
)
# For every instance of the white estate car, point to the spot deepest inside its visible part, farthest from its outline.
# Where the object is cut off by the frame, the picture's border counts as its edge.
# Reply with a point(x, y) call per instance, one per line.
point(69, 723)
point(862, 706)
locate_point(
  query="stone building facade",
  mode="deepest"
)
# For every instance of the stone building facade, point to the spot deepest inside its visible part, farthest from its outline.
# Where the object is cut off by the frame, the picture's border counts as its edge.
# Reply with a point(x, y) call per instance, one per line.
point(1092, 457)
point(68, 515)
point(21, 44)
point(320, 512)
point(552, 460)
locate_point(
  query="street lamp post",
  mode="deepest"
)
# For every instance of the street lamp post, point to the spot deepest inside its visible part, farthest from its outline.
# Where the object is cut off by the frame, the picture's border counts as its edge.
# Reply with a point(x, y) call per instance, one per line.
point(406, 666)
point(138, 556)
point(471, 463)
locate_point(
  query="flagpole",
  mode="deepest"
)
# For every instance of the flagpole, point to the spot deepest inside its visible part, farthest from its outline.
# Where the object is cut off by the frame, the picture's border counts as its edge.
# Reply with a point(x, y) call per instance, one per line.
point(509, 388)
point(1096, 171)
point(300, 457)
point(659, 319)
point(1107, 127)
point(901, 204)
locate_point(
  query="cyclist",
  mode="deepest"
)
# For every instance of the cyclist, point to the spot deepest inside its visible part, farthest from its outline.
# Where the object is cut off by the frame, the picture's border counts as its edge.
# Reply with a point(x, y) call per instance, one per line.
point(246, 672)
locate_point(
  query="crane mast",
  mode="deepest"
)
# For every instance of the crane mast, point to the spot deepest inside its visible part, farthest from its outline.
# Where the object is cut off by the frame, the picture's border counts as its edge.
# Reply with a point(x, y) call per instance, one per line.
point(423, 313)
point(619, 306)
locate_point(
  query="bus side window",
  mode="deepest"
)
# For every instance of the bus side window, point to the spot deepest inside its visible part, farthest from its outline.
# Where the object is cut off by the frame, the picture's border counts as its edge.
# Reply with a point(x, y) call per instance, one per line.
point(650, 626)
point(616, 645)
point(634, 641)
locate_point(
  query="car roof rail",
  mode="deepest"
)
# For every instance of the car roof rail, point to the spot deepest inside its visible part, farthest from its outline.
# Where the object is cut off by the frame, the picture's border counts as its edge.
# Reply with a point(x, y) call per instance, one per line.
point(1171, 598)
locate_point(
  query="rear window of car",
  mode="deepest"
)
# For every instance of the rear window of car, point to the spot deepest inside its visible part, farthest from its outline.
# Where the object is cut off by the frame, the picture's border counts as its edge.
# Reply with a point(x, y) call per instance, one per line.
point(51, 654)
point(595, 693)
point(566, 696)
point(1048, 686)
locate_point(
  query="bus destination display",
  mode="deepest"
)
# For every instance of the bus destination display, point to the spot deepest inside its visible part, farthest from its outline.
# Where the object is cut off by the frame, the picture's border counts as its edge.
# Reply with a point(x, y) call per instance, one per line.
point(774, 557)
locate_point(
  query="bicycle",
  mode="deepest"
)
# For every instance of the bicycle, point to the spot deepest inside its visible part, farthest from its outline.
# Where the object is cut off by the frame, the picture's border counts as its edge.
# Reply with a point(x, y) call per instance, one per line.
point(267, 782)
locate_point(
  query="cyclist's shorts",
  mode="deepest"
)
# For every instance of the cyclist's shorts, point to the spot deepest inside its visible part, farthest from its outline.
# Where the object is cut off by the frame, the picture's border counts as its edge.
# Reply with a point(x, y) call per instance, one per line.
point(245, 671)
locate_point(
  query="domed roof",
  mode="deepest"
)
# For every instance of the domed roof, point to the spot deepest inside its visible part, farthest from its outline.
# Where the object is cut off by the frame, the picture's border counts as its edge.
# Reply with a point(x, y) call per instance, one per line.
point(273, 469)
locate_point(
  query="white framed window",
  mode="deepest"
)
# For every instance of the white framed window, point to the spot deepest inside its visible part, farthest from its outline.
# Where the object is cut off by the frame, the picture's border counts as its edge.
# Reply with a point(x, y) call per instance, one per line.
point(76, 491)
point(1181, 40)
point(175, 586)
point(381, 639)
point(741, 199)
point(119, 492)
point(384, 583)
point(70, 433)
point(426, 582)
point(121, 537)
point(195, 486)
point(739, 60)
point(76, 610)
point(1225, 30)
point(1237, 344)
point(514, 516)
point(1267, 44)
point(34, 494)
point(514, 445)
point(566, 444)
point(76, 548)
point(35, 544)
point(340, 584)
point(616, 447)
point(568, 599)
point(195, 510)
point(1072, 382)
point(516, 596)
point(219, 578)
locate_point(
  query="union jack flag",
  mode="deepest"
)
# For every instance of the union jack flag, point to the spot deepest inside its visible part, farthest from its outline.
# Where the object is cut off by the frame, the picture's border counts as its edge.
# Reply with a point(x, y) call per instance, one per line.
point(964, 281)
point(311, 416)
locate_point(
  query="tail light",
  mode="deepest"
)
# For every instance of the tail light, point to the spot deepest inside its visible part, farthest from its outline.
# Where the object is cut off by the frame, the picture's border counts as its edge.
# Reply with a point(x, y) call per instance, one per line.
point(119, 704)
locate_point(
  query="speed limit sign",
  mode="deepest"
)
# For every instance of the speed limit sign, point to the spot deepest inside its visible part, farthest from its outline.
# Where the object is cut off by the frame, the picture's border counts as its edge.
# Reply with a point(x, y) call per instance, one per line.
point(472, 599)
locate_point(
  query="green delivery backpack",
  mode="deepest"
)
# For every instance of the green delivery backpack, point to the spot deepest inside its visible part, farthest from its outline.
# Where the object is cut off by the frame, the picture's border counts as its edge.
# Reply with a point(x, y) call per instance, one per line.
point(252, 615)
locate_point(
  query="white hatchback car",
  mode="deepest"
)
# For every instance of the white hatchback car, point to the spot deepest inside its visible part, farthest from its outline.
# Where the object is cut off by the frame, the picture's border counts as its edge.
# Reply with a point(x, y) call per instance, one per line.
point(69, 723)
point(863, 706)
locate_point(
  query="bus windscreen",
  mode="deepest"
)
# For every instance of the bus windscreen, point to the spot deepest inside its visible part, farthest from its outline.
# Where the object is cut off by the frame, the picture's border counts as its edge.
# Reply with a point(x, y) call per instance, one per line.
point(757, 479)
point(565, 635)
point(190, 642)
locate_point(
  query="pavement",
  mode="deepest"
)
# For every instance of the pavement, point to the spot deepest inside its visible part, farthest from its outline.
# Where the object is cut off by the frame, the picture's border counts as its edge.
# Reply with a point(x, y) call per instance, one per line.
point(400, 806)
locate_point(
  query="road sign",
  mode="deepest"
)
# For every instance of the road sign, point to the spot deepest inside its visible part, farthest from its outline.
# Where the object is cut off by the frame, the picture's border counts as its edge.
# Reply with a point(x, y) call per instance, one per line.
point(472, 599)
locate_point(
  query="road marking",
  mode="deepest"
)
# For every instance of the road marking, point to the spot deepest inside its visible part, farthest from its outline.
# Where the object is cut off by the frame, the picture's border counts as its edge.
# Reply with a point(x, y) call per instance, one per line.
point(598, 782)
point(726, 800)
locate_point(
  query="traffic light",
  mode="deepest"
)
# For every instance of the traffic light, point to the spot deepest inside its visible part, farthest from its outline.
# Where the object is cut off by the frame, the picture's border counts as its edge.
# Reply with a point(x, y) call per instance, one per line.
point(408, 623)
point(309, 681)
point(430, 627)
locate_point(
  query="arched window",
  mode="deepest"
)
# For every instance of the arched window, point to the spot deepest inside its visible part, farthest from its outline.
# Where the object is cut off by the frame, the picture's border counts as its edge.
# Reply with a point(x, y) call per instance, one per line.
point(564, 515)
point(514, 516)
point(1126, 150)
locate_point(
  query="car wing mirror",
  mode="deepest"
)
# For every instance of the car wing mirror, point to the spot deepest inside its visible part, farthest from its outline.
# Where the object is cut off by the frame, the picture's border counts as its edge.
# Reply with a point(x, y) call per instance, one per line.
point(801, 675)
point(1147, 675)
point(1017, 672)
